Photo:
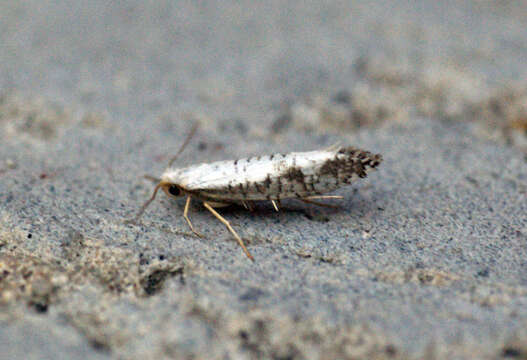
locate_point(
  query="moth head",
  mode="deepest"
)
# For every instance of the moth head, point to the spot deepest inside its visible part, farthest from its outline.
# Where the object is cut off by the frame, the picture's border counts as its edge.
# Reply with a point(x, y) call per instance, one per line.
point(171, 189)
point(168, 186)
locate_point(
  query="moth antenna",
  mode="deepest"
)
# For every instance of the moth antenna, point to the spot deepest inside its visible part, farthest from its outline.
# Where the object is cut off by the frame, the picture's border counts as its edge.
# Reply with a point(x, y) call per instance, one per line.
point(185, 143)
point(152, 178)
point(145, 205)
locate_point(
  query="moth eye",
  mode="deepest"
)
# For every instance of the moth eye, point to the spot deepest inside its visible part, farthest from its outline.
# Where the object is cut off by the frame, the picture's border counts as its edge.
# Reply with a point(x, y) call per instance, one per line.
point(174, 190)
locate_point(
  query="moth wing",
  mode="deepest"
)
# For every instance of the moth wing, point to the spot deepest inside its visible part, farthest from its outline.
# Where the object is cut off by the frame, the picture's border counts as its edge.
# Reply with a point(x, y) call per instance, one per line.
point(256, 178)
point(220, 174)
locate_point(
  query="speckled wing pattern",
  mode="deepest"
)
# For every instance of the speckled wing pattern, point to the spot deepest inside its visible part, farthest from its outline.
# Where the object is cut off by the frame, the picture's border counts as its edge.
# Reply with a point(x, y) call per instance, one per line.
point(277, 176)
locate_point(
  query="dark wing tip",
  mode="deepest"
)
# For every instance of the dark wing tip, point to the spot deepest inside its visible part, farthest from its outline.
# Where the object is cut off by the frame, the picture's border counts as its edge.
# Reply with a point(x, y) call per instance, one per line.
point(374, 160)
point(368, 159)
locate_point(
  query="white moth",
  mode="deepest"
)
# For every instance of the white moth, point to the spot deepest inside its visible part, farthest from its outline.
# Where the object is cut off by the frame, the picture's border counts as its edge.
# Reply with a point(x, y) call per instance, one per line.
point(302, 175)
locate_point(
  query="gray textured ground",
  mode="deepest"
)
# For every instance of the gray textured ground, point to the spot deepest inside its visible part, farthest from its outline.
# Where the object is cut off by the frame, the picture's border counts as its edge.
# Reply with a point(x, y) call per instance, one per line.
point(426, 257)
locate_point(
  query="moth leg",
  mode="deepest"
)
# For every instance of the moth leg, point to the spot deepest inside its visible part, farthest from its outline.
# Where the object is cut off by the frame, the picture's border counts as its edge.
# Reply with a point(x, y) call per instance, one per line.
point(185, 215)
point(275, 204)
point(226, 223)
point(250, 205)
point(309, 201)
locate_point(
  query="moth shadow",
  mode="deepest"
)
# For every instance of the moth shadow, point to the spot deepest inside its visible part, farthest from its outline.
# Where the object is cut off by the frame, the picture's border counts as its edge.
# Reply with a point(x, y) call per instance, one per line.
point(314, 212)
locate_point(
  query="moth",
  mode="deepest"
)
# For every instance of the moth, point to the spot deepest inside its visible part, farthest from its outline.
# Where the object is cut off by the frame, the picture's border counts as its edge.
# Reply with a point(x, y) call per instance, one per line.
point(306, 176)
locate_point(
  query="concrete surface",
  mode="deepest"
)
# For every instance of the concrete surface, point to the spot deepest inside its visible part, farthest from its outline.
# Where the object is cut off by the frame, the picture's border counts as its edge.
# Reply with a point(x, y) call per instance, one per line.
point(425, 259)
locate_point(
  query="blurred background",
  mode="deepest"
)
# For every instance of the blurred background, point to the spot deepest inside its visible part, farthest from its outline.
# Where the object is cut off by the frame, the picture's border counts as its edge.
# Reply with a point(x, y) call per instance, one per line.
point(264, 66)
